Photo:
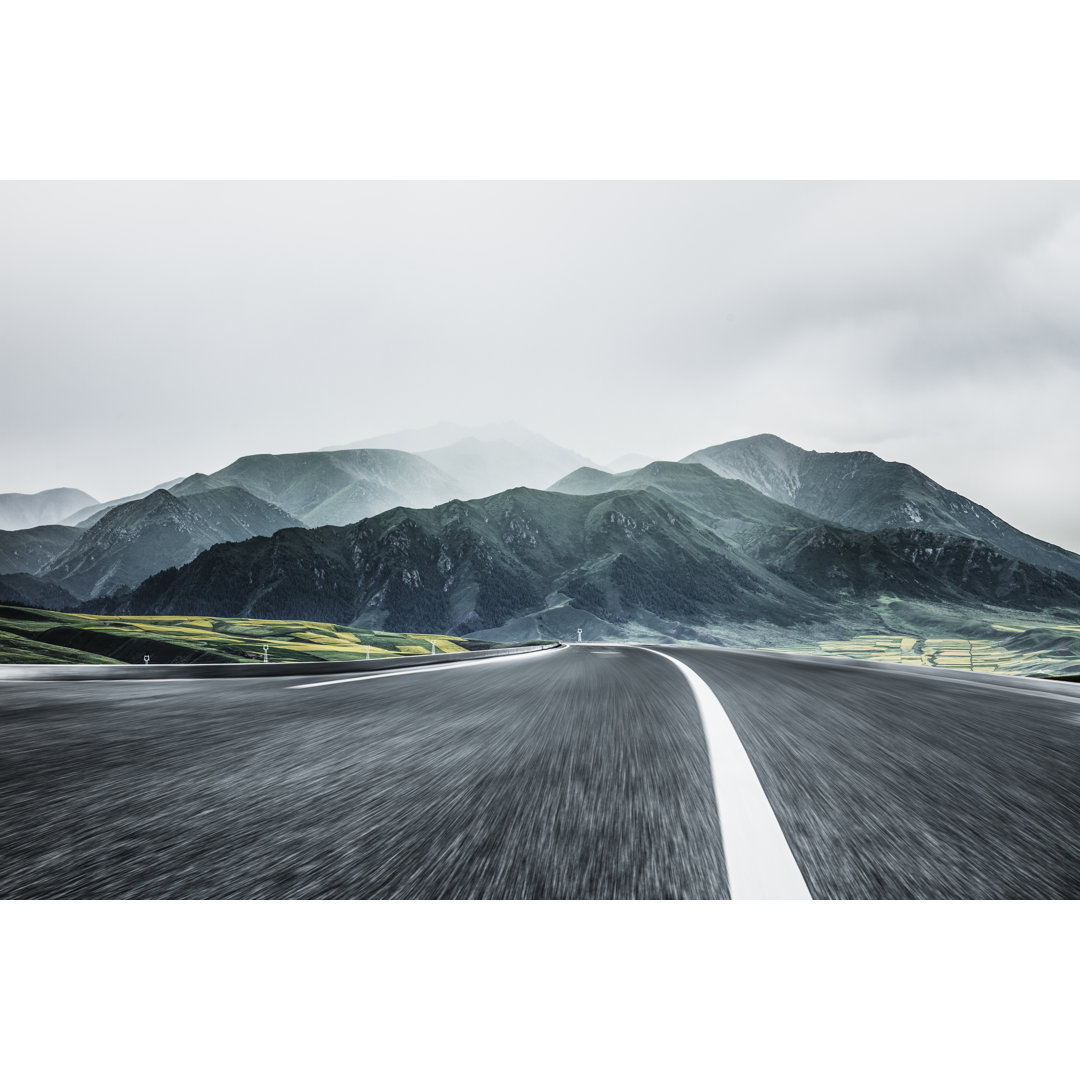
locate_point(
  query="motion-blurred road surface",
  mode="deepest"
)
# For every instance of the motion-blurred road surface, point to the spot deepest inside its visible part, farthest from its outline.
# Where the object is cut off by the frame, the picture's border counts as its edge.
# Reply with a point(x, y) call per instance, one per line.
point(577, 773)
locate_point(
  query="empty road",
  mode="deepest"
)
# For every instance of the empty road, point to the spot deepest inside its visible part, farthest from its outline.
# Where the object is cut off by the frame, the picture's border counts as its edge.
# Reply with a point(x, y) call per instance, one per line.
point(583, 772)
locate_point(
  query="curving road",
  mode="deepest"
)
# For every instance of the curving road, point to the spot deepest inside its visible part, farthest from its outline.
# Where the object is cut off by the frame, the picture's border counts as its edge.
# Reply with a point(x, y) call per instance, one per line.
point(579, 773)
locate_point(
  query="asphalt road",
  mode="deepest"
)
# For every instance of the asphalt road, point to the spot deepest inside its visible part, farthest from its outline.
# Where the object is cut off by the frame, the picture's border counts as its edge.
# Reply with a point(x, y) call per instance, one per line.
point(578, 773)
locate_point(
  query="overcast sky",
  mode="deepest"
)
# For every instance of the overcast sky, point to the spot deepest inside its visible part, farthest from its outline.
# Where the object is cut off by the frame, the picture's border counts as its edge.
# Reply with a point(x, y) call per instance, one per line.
point(151, 329)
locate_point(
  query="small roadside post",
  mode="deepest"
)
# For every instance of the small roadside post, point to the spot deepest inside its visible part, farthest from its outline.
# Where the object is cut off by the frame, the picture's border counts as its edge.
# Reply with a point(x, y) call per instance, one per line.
point(146, 658)
point(266, 654)
point(579, 635)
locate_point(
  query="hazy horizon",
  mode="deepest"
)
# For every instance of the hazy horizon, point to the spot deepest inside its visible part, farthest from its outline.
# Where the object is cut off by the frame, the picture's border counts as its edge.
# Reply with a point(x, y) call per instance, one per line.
point(156, 329)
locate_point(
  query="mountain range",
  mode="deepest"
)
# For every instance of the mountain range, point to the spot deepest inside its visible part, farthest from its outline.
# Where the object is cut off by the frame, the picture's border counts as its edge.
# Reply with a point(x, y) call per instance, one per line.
point(482, 563)
point(747, 542)
point(687, 554)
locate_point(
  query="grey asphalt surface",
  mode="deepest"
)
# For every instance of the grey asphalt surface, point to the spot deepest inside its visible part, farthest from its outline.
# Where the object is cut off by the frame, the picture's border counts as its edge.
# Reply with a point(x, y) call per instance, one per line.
point(895, 782)
point(578, 773)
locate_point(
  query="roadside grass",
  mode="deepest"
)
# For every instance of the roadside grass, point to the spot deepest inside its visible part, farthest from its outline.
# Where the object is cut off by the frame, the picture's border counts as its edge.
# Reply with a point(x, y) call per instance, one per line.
point(35, 636)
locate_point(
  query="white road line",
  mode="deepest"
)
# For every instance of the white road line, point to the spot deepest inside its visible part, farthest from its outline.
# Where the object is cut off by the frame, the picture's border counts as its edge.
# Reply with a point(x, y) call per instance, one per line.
point(419, 670)
point(760, 864)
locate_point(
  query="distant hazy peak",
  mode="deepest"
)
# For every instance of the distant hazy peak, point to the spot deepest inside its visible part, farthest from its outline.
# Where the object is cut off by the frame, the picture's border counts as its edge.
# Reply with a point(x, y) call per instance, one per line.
point(49, 507)
point(50, 493)
point(442, 436)
point(344, 453)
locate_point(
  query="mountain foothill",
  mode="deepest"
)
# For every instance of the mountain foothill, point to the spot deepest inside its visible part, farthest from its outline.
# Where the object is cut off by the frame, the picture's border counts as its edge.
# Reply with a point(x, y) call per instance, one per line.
point(502, 534)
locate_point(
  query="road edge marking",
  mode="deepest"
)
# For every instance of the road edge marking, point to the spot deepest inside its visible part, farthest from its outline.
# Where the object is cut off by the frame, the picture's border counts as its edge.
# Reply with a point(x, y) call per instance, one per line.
point(760, 863)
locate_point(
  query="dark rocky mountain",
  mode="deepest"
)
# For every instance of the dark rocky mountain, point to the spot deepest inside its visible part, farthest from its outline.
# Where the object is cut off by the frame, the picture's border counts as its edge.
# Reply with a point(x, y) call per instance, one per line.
point(861, 490)
point(33, 592)
point(137, 539)
point(627, 558)
point(840, 565)
point(28, 551)
point(44, 508)
point(332, 487)
point(524, 563)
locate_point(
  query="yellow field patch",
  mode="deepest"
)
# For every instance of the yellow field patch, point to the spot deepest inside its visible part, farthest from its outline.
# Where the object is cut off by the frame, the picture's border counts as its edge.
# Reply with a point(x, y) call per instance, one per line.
point(244, 639)
point(964, 654)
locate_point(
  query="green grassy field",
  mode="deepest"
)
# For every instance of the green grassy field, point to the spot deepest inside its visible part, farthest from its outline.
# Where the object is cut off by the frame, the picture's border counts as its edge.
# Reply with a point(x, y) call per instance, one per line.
point(33, 636)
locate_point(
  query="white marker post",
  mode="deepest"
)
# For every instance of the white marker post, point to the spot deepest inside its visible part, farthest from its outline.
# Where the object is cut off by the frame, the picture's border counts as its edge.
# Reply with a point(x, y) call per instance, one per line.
point(579, 635)
point(432, 640)
point(266, 654)
point(146, 658)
